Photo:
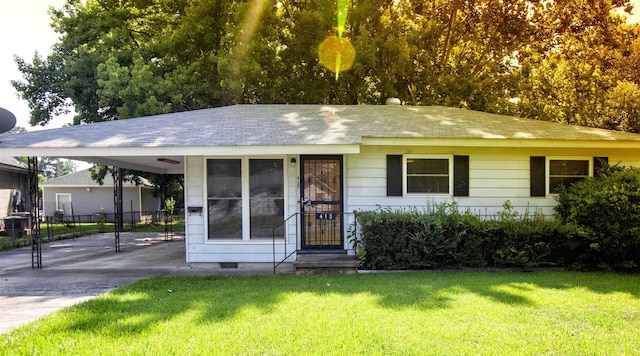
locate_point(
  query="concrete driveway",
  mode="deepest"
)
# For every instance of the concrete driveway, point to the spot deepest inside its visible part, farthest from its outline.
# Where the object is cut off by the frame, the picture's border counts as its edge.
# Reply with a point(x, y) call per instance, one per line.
point(79, 269)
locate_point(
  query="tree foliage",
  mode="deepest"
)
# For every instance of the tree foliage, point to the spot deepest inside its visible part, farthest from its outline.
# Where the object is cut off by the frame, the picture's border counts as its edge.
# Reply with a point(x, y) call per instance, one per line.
point(563, 60)
point(53, 167)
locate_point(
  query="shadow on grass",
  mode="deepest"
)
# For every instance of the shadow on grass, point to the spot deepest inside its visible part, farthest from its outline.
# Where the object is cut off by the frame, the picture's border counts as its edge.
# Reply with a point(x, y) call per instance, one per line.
point(136, 308)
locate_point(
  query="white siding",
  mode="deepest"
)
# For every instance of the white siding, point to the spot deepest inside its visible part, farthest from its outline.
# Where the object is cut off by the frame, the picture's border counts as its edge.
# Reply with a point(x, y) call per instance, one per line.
point(495, 176)
point(194, 197)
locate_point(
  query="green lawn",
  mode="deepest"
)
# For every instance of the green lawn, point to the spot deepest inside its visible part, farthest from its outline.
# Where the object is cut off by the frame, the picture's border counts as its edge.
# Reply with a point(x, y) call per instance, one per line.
point(449, 313)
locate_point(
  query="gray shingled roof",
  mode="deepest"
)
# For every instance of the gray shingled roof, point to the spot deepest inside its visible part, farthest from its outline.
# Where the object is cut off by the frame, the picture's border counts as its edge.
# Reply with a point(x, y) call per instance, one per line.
point(245, 125)
point(83, 179)
point(12, 163)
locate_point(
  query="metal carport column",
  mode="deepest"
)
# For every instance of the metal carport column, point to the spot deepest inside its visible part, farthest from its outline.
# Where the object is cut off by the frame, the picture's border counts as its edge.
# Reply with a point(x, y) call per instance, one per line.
point(117, 204)
point(34, 197)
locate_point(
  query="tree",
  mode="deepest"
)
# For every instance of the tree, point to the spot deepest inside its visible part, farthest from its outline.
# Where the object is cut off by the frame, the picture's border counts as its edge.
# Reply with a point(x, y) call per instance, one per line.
point(17, 129)
point(579, 57)
point(551, 60)
point(53, 167)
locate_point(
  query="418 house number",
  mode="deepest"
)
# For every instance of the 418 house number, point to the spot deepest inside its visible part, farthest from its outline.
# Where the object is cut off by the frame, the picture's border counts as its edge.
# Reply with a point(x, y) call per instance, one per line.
point(325, 216)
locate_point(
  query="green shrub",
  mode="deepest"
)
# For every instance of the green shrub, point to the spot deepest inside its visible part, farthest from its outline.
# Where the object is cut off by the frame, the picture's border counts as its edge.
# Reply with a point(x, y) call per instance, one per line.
point(443, 237)
point(440, 237)
point(101, 218)
point(526, 240)
point(607, 210)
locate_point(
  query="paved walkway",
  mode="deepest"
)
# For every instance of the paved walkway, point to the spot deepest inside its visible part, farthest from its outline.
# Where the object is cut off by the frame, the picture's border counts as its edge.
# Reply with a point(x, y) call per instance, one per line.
point(79, 269)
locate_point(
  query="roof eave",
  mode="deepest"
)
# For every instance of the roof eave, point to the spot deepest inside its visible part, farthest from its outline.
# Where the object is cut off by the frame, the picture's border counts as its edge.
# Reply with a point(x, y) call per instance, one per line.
point(126, 151)
point(501, 142)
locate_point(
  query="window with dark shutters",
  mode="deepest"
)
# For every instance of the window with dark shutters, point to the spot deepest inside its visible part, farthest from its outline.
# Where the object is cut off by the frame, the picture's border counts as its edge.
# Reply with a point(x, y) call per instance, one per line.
point(396, 179)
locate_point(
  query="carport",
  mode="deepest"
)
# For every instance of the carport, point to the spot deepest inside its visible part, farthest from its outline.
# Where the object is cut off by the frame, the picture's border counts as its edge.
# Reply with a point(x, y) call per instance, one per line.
point(121, 145)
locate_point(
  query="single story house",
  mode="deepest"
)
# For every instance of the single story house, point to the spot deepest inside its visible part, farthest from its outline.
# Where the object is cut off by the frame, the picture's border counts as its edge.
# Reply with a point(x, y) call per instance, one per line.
point(248, 168)
point(77, 194)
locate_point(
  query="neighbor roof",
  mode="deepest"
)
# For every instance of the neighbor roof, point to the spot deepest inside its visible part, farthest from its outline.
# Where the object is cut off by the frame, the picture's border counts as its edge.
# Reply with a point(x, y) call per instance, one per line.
point(83, 179)
point(246, 125)
point(12, 163)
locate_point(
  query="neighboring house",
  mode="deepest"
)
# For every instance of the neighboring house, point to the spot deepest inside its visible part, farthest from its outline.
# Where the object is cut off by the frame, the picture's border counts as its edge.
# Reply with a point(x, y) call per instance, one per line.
point(14, 190)
point(77, 194)
point(249, 167)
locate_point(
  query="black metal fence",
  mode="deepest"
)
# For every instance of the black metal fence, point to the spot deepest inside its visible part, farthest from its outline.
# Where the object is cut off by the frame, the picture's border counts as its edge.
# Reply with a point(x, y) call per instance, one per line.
point(88, 222)
point(129, 217)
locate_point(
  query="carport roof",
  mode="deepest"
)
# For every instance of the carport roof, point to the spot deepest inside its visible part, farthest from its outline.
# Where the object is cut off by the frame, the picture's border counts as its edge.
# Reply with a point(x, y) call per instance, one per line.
point(268, 129)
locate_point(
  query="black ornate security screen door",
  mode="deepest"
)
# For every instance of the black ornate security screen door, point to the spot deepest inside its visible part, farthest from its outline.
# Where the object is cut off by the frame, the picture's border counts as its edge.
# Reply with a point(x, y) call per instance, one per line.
point(321, 203)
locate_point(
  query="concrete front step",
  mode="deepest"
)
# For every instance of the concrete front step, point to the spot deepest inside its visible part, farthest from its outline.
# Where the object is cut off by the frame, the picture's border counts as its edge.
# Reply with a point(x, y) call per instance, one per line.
point(326, 264)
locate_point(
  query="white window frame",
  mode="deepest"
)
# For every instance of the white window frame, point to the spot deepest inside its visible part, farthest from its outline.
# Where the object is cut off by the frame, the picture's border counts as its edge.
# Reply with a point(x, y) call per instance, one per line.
point(58, 195)
point(547, 173)
point(417, 156)
point(246, 199)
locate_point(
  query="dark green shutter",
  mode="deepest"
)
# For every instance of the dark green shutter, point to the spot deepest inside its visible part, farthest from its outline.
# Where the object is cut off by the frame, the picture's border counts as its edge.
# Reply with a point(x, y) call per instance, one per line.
point(598, 164)
point(394, 175)
point(461, 176)
point(537, 176)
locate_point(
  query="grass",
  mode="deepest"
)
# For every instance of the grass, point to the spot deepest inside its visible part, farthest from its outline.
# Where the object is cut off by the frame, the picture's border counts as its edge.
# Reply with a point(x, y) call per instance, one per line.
point(60, 232)
point(425, 313)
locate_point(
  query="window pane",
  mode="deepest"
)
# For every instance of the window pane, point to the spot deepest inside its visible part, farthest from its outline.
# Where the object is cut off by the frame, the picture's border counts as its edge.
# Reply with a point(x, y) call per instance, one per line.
point(322, 179)
point(427, 166)
point(422, 184)
point(265, 215)
point(566, 172)
point(225, 218)
point(569, 167)
point(224, 178)
point(556, 182)
point(266, 178)
point(266, 187)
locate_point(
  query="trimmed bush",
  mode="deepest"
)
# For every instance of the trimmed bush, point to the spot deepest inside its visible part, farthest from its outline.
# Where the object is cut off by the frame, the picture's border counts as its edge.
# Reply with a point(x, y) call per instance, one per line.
point(607, 209)
point(443, 237)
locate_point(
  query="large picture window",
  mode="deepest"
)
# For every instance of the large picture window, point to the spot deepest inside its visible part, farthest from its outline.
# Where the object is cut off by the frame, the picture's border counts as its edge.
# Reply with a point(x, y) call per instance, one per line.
point(426, 175)
point(245, 198)
point(564, 172)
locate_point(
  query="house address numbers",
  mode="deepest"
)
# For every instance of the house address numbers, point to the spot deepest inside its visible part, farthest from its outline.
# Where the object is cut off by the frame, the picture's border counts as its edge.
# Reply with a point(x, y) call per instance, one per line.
point(325, 216)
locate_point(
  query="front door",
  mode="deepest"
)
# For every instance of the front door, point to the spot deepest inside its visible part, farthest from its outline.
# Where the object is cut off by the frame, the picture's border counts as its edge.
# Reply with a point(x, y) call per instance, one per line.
point(321, 203)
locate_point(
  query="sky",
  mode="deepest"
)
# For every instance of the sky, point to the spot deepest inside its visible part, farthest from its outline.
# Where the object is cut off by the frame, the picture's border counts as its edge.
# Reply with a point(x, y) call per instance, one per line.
point(25, 29)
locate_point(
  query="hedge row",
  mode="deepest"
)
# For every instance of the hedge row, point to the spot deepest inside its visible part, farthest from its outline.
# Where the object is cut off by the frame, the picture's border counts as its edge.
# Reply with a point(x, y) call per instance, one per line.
point(443, 237)
point(597, 228)
point(446, 238)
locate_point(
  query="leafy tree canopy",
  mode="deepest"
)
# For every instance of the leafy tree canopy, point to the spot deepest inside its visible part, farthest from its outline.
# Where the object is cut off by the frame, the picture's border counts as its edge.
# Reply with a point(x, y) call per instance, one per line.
point(560, 60)
point(53, 167)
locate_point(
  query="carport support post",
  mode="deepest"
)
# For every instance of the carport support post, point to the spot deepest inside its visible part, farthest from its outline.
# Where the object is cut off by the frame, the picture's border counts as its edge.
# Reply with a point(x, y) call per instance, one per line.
point(34, 197)
point(117, 204)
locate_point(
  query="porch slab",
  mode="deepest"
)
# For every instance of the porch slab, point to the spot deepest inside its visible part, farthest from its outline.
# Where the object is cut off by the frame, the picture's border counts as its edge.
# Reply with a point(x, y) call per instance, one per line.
point(307, 264)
